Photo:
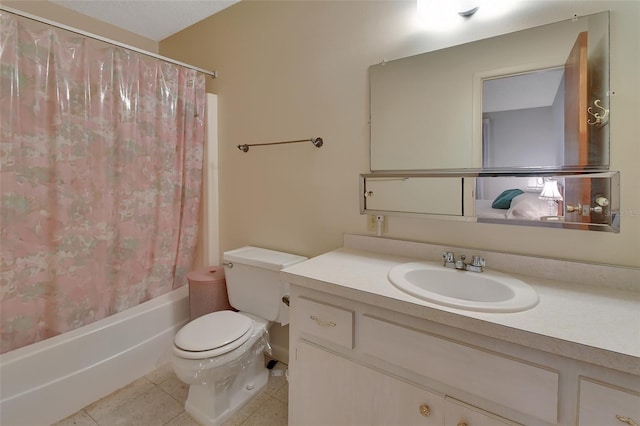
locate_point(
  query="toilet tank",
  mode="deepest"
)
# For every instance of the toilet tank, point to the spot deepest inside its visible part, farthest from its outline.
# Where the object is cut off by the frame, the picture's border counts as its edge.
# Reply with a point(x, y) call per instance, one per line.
point(253, 279)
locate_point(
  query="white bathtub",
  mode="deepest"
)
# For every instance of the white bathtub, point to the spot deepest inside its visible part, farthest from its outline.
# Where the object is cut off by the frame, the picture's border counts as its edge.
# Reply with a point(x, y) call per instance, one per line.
point(52, 379)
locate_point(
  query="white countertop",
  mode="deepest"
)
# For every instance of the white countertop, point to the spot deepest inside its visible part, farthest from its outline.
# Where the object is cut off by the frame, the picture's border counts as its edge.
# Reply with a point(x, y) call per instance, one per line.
point(598, 325)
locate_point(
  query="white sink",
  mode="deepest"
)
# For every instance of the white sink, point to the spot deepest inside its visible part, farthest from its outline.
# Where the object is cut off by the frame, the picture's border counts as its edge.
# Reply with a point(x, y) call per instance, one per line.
point(487, 291)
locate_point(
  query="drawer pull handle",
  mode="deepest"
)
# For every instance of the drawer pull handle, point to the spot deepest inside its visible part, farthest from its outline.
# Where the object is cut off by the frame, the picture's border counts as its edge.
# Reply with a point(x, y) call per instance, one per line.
point(425, 410)
point(627, 420)
point(322, 323)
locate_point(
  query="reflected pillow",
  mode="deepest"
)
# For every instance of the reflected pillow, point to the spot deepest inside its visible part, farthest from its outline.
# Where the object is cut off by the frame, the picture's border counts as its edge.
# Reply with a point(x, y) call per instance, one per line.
point(503, 201)
point(528, 206)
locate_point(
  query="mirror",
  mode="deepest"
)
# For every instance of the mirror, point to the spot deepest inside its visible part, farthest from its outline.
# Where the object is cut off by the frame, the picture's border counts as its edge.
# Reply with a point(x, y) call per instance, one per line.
point(573, 200)
point(536, 98)
point(512, 129)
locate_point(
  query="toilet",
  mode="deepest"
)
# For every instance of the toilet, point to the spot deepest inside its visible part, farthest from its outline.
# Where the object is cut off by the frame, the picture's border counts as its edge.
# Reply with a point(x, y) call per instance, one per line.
point(221, 355)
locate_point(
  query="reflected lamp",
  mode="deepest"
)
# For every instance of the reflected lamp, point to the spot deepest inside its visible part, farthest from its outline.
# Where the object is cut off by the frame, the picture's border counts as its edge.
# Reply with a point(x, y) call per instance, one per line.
point(551, 193)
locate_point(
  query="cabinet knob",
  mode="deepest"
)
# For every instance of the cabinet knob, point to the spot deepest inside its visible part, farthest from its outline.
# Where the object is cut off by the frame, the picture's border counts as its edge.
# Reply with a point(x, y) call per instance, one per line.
point(627, 420)
point(425, 410)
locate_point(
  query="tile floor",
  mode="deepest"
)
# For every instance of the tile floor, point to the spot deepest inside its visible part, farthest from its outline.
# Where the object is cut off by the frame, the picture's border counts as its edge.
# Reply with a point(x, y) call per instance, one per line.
point(157, 399)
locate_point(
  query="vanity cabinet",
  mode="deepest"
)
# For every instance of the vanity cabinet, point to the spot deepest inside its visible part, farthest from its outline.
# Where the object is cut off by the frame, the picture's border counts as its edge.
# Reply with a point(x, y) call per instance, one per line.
point(352, 363)
point(329, 388)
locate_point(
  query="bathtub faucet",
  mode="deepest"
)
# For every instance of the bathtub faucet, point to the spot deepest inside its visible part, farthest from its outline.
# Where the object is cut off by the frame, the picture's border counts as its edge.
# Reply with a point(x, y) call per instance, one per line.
point(476, 265)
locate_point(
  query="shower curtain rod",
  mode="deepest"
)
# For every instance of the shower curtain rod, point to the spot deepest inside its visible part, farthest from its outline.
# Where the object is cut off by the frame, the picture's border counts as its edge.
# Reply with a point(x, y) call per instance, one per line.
point(213, 74)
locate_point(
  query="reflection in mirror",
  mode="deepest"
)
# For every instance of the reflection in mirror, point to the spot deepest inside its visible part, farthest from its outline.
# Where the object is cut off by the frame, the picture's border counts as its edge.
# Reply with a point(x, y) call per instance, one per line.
point(523, 120)
point(585, 201)
point(427, 110)
point(512, 197)
point(542, 118)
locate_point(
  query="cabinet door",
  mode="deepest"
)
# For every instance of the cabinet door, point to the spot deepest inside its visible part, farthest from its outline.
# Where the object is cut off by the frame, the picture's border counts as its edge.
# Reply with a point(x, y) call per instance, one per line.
point(602, 405)
point(326, 389)
point(457, 413)
point(430, 195)
point(527, 388)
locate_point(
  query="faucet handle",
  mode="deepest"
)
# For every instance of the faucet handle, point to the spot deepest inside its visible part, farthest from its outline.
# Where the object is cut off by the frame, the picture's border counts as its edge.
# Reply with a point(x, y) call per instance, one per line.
point(478, 261)
point(448, 256)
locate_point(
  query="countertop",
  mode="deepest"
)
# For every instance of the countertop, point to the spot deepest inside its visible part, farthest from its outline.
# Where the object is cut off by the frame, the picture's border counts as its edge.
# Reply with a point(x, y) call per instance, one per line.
point(593, 324)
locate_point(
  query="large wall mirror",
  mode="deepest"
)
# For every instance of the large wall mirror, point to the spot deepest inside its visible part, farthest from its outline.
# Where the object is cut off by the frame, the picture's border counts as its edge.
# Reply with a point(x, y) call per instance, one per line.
point(522, 116)
point(533, 98)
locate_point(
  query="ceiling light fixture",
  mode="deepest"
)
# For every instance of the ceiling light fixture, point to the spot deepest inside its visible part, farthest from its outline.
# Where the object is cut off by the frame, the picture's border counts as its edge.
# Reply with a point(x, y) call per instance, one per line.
point(468, 13)
point(466, 8)
point(444, 14)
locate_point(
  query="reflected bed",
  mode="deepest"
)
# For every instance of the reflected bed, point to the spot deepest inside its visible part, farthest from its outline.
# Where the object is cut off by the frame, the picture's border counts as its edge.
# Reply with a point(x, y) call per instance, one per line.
point(527, 206)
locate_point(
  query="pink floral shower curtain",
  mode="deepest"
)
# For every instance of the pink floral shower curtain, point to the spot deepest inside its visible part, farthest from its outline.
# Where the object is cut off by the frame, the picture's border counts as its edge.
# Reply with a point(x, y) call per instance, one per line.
point(101, 170)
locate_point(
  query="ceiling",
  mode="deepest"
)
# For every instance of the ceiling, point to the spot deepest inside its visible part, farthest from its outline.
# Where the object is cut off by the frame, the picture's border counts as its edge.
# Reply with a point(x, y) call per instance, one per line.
point(153, 19)
point(530, 90)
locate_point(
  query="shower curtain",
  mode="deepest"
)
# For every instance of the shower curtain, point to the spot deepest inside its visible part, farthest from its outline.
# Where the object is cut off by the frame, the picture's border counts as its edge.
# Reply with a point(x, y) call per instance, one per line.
point(101, 170)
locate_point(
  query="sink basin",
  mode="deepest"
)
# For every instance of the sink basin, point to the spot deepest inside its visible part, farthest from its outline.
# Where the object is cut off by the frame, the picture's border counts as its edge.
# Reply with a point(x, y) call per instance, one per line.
point(487, 291)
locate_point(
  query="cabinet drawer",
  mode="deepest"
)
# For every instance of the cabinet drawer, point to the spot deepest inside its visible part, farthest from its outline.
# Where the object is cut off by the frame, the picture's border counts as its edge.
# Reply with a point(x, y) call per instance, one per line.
point(327, 322)
point(519, 385)
point(604, 405)
point(459, 413)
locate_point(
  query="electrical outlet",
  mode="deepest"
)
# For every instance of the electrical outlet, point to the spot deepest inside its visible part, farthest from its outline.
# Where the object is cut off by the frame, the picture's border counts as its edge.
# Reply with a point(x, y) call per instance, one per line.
point(371, 223)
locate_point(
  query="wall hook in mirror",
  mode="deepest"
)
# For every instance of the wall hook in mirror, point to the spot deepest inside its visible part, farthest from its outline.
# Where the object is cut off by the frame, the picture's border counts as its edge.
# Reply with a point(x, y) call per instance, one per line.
point(600, 116)
point(317, 142)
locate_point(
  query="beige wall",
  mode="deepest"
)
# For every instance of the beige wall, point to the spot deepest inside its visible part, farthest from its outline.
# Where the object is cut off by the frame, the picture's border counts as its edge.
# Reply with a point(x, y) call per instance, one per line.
point(54, 12)
point(297, 69)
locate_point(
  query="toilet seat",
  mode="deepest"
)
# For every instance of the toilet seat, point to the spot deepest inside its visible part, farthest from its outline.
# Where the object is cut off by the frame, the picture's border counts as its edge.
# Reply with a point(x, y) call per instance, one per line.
point(213, 334)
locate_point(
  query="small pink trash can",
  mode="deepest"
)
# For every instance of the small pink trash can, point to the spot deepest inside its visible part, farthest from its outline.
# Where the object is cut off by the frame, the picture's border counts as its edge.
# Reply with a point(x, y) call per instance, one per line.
point(207, 291)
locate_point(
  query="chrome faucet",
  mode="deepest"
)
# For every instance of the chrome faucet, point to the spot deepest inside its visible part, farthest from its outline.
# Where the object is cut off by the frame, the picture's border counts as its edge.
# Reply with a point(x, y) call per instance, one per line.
point(449, 260)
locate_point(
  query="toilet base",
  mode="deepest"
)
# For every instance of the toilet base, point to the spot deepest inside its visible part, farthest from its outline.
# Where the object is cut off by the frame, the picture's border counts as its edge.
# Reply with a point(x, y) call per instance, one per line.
point(212, 408)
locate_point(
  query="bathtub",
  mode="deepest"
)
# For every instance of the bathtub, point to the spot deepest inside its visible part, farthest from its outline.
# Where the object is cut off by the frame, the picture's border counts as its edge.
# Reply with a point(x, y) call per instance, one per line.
point(49, 380)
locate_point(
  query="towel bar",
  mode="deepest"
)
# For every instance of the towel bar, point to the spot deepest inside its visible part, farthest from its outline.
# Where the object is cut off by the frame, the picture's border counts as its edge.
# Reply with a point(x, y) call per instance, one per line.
point(317, 142)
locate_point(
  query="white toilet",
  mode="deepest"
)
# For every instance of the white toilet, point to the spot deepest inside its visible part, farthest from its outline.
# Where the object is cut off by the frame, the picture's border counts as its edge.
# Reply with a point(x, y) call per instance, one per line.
point(220, 355)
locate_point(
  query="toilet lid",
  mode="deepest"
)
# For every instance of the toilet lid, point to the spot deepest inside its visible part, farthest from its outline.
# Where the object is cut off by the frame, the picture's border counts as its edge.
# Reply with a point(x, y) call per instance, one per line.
point(212, 331)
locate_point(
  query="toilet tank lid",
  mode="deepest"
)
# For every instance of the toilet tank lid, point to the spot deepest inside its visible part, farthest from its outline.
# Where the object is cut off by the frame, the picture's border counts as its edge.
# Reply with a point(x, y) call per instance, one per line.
point(263, 258)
